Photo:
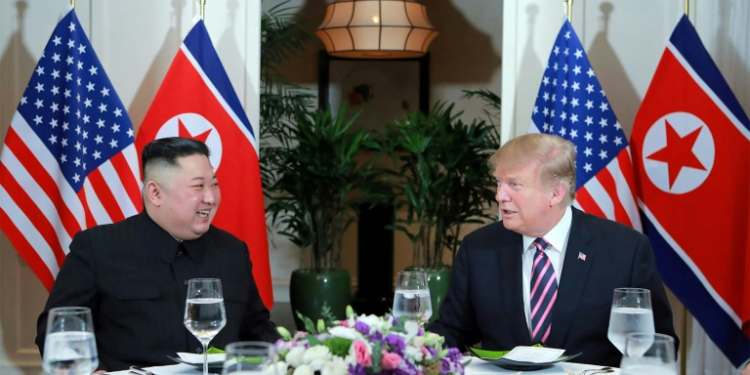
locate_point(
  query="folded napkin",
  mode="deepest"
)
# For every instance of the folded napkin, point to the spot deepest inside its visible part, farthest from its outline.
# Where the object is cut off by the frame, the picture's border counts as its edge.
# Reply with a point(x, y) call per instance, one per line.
point(197, 359)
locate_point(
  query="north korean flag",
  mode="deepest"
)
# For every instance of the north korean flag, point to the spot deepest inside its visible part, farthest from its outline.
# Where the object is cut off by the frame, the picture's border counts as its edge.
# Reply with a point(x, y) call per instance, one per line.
point(691, 152)
point(197, 100)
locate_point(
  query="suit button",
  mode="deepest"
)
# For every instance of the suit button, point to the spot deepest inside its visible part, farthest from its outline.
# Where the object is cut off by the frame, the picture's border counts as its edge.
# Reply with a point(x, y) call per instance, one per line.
point(179, 253)
point(199, 350)
point(184, 282)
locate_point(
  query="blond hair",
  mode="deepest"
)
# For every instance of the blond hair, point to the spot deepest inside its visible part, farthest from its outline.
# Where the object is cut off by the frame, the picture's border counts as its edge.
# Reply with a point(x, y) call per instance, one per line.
point(555, 156)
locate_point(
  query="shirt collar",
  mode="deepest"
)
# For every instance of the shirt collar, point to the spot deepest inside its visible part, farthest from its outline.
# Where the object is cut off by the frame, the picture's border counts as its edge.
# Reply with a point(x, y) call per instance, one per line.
point(167, 246)
point(557, 236)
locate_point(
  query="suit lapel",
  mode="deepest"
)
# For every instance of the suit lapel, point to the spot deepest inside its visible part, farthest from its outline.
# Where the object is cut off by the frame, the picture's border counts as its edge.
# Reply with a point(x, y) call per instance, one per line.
point(571, 286)
point(511, 264)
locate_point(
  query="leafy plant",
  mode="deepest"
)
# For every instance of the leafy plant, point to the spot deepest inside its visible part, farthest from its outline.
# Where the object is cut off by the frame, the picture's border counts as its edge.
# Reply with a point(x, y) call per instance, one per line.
point(445, 181)
point(315, 173)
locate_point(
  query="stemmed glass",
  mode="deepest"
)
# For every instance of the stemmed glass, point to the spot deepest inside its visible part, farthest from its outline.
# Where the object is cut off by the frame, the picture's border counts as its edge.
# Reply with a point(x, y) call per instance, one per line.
point(649, 353)
point(251, 357)
point(69, 346)
point(631, 312)
point(412, 297)
point(204, 312)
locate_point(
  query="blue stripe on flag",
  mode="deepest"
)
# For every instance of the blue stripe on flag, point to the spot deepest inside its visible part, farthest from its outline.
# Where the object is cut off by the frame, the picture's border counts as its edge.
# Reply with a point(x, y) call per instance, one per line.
point(198, 42)
point(687, 41)
point(685, 285)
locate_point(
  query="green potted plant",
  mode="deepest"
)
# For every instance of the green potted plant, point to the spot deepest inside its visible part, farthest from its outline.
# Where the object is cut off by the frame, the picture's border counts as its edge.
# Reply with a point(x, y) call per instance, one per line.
point(444, 183)
point(316, 186)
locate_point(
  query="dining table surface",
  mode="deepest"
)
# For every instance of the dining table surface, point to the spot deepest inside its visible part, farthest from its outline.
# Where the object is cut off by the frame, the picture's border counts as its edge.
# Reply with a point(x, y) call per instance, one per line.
point(475, 367)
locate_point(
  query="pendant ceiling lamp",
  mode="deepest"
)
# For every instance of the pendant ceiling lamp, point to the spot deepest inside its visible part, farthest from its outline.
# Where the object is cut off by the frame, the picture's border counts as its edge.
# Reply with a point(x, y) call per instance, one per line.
point(376, 29)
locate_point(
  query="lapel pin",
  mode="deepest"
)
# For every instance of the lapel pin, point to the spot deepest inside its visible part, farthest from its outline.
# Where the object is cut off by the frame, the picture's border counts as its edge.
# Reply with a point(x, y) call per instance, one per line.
point(581, 256)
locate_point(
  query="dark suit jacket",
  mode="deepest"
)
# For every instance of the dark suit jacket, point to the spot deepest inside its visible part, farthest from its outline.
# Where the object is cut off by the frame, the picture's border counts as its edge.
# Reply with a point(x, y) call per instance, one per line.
point(133, 275)
point(485, 302)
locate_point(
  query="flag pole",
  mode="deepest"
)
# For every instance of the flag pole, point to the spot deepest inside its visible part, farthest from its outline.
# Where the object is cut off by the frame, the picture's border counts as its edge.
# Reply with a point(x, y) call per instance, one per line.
point(569, 9)
point(202, 8)
point(687, 7)
point(73, 3)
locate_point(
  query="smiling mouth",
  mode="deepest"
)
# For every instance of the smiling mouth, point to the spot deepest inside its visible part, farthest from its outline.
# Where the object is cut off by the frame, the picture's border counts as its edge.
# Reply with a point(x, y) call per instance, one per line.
point(507, 212)
point(203, 213)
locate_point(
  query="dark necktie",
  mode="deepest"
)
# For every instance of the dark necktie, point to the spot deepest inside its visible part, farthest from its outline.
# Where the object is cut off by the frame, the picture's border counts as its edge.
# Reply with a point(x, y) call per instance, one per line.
point(543, 292)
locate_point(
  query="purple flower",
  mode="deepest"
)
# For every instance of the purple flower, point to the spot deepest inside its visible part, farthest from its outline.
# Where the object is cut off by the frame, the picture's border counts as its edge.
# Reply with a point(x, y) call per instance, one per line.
point(433, 351)
point(362, 327)
point(407, 368)
point(445, 366)
point(377, 336)
point(396, 342)
point(356, 370)
point(454, 354)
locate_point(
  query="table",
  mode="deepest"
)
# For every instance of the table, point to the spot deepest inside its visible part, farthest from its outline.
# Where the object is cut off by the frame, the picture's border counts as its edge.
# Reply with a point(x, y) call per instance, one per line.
point(481, 367)
point(476, 367)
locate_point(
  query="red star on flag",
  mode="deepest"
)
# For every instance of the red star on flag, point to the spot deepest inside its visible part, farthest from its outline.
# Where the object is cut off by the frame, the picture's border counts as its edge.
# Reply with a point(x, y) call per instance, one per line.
point(678, 153)
point(184, 133)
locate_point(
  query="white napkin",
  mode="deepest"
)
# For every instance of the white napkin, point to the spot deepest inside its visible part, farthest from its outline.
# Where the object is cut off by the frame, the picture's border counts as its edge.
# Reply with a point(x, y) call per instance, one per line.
point(197, 359)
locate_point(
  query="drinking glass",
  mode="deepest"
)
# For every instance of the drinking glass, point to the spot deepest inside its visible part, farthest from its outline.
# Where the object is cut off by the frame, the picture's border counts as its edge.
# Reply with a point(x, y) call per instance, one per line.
point(251, 358)
point(204, 312)
point(631, 312)
point(69, 346)
point(649, 354)
point(412, 297)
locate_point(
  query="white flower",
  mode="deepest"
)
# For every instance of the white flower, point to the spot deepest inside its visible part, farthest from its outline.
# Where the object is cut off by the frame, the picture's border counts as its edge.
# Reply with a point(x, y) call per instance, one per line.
point(412, 328)
point(346, 333)
point(316, 356)
point(279, 368)
point(418, 341)
point(294, 357)
point(336, 366)
point(303, 370)
point(413, 354)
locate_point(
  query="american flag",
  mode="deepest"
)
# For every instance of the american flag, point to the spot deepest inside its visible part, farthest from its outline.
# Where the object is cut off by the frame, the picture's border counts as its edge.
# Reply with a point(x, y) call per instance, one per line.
point(572, 105)
point(69, 162)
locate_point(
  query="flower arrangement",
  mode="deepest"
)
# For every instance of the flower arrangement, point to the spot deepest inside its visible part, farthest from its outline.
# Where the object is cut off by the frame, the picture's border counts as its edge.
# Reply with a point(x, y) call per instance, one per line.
point(366, 345)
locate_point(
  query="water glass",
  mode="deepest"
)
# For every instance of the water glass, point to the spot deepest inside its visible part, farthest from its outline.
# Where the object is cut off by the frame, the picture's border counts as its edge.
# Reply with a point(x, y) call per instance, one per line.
point(412, 297)
point(250, 358)
point(649, 354)
point(631, 312)
point(204, 312)
point(70, 346)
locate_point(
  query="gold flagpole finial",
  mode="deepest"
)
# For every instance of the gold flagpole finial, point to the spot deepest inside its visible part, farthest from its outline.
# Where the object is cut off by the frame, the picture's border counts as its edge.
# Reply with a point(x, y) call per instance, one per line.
point(203, 8)
point(569, 9)
point(73, 3)
point(687, 7)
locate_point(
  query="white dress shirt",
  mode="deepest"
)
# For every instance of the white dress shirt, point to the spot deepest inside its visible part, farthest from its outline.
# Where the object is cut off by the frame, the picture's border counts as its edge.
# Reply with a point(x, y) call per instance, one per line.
point(557, 238)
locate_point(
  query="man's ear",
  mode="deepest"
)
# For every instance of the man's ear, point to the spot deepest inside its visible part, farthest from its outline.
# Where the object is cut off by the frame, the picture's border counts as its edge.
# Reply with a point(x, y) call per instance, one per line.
point(154, 193)
point(557, 193)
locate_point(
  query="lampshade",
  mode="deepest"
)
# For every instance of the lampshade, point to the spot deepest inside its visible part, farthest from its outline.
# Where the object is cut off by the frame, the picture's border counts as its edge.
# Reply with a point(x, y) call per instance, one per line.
point(376, 29)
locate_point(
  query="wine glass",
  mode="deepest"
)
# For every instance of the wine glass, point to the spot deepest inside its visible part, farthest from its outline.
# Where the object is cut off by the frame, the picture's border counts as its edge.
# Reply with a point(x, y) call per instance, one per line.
point(69, 346)
point(250, 358)
point(204, 312)
point(648, 353)
point(631, 312)
point(412, 297)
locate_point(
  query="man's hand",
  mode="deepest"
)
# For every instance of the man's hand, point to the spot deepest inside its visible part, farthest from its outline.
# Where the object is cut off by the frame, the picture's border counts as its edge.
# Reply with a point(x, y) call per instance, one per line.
point(104, 371)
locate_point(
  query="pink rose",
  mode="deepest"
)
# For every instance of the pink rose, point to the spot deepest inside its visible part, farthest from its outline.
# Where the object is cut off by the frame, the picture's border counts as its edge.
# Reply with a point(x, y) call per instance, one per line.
point(390, 361)
point(345, 323)
point(363, 357)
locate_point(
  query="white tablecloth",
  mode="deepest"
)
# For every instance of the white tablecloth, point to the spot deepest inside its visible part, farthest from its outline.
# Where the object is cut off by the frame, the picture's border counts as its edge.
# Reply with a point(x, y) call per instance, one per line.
point(480, 367)
point(476, 367)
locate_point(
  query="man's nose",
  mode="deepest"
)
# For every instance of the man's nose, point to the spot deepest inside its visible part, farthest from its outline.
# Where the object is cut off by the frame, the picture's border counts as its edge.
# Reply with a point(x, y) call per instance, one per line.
point(502, 194)
point(209, 196)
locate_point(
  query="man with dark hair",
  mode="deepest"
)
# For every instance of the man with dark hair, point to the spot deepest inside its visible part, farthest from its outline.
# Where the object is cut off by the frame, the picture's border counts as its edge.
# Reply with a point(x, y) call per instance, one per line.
point(134, 274)
point(546, 273)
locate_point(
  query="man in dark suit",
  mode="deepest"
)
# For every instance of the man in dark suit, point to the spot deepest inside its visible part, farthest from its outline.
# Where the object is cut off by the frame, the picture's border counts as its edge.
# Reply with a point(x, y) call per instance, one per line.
point(133, 274)
point(546, 272)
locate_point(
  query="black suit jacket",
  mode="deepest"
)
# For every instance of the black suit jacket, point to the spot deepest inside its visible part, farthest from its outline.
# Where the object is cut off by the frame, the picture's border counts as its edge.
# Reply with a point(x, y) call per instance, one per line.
point(133, 275)
point(485, 302)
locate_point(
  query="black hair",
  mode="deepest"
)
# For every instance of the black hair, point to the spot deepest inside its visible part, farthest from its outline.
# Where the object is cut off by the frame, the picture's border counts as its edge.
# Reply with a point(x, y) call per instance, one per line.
point(166, 151)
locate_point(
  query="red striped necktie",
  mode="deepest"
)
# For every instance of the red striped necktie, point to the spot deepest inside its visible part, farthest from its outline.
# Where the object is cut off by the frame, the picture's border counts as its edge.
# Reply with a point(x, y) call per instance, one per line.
point(543, 292)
